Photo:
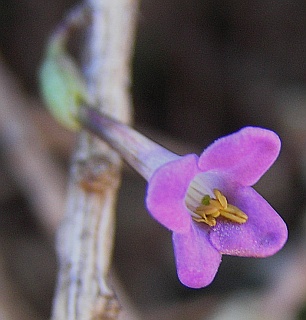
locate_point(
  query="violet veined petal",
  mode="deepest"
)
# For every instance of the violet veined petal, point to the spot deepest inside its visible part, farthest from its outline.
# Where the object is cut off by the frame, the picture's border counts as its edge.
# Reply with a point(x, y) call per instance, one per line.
point(262, 235)
point(245, 155)
point(197, 261)
point(166, 193)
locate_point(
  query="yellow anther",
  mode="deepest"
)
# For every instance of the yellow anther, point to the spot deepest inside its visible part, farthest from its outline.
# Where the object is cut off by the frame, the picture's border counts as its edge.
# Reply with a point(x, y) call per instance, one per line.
point(236, 211)
point(211, 221)
point(213, 208)
point(208, 220)
point(232, 217)
point(207, 210)
point(221, 198)
point(216, 204)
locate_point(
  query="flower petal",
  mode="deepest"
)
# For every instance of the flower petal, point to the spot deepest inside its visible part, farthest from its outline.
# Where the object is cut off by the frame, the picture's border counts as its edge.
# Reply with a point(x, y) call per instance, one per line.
point(197, 261)
point(262, 235)
point(245, 155)
point(166, 193)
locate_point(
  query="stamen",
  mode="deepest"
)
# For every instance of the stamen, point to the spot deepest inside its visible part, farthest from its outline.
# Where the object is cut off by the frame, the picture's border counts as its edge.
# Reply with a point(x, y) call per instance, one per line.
point(232, 217)
point(232, 209)
point(211, 208)
point(220, 197)
point(206, 204)
point(207, 211)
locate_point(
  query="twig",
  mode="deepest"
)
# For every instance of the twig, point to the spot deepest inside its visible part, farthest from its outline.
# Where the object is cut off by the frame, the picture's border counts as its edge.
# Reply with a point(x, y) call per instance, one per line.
point(85, 239)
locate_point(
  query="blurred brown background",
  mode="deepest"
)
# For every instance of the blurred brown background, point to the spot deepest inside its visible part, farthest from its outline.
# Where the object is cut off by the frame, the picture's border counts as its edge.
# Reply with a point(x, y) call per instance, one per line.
point(201, 69)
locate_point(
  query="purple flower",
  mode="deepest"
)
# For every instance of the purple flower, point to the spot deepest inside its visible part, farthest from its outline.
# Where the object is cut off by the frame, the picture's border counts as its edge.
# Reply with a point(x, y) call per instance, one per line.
point(209, 205)
point(207, 202)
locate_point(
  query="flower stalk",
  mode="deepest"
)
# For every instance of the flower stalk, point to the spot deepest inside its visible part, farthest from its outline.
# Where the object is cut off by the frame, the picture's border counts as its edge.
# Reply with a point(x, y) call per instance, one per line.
point(141, 153)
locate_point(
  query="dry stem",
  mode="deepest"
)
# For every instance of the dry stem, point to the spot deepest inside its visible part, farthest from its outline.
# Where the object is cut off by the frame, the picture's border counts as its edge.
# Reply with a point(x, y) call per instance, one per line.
point(85, 239)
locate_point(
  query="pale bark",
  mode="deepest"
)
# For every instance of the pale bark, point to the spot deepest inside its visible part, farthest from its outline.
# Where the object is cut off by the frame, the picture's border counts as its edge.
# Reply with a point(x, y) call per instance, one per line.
point(85, 238)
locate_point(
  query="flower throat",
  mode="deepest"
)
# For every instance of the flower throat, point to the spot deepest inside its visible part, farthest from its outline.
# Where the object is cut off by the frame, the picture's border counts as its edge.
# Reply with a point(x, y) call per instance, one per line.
point(206, 205)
